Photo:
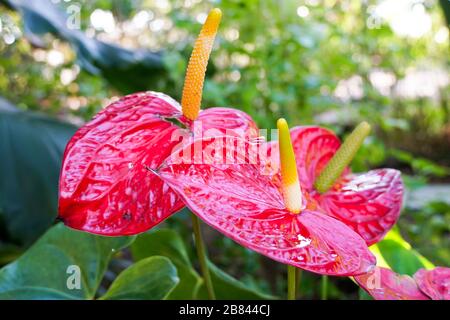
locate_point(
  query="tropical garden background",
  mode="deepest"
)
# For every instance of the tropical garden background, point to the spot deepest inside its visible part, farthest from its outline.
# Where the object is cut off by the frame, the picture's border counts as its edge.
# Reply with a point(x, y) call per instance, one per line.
point(325, 62)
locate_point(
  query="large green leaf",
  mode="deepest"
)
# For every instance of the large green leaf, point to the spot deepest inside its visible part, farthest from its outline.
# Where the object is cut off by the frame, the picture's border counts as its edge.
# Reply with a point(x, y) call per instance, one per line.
point(44, 271)
point(397, 254)
point(228, 288)
point(127, 70)
point(31, 147)
point(168, 243)
point(149, 279)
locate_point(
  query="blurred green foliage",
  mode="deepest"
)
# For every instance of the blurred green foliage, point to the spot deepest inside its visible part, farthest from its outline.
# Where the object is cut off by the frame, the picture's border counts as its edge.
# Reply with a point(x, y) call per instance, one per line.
point(324, 62)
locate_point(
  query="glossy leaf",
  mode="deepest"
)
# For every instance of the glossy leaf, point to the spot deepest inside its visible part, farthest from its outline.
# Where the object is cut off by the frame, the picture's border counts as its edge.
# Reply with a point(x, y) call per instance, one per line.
point(398, 254)
point(384, 284)
point(168, 243)
point(434, 283)
point(149, 279)
point(228, 288)
point(247, 206)
point(31, 146)
point(44, 270)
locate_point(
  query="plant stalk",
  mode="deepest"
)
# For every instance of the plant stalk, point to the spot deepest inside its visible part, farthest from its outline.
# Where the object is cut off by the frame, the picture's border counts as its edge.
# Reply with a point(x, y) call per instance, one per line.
point(292, 284)
point(324, 288)
point(202, 258)
point(298, 280)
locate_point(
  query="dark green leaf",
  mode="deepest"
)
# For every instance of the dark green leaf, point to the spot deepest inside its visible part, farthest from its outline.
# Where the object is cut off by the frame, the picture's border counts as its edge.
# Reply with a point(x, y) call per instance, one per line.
point(43, 272)
point(227, 287)
point(169, 244)
point(31, 147)
point(149, 279)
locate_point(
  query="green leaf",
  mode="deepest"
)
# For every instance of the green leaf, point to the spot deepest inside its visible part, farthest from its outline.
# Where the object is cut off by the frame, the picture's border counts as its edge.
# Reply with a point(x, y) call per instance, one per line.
point(228, 288)
point(43, 272)
point(31, 146)
point(396, 253)
point(149, 279)
point(168, 243)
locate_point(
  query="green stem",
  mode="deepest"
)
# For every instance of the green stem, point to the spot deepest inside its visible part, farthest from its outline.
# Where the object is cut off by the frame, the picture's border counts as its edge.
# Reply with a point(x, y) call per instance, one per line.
point(342, 158)
point(324, 288)
point(292, 284)
point(201, 253)
point(298, 280)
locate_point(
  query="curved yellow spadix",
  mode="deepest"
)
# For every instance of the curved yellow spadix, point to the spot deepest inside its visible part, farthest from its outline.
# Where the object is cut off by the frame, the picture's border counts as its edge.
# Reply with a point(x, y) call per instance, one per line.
point(195, 73)
point(292, 192)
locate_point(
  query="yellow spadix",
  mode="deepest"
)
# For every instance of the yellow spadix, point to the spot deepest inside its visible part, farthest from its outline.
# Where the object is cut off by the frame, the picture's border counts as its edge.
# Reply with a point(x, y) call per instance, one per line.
point(292, 192)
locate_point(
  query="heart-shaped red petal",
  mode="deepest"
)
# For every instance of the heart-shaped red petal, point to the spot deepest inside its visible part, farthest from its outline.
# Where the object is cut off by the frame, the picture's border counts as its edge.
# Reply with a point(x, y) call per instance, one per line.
point(434, 283)
point(105, 186)
point(369, 203)
point(313, 148)
point(227, 189)
point(385, 284)
point(227, 121)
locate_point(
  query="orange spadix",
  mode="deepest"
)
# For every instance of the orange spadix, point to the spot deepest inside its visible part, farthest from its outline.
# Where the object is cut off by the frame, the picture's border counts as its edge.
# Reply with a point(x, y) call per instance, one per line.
point(195, 73)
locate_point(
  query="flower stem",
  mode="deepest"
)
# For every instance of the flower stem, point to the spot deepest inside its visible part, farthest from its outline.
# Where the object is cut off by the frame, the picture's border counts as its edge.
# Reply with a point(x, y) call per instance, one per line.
point(298, 280)
point(201, 253)
point(342, 158)
point(324, 288)
point(292, 284)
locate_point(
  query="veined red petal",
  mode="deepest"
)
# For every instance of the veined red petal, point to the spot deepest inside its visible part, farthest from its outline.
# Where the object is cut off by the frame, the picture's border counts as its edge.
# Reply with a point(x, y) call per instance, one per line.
point(369, 203)
point(105, 183)
point(434, 283)
point(385, 284)
point(313, 148)
point(228, 121)
point(231, 193)
point(105, 186)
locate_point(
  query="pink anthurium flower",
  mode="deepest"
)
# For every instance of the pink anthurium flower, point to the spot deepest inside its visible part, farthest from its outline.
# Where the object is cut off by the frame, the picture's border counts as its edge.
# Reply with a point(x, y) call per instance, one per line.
point(369, 203)
point(105, 183)
point(434, 283)
point(385, 284)
point(231, 186)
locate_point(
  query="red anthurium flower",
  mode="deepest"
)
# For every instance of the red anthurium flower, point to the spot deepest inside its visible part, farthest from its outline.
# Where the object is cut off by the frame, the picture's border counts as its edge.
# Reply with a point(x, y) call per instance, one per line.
point(434, 283)
point(385, 284)
point(369, 203)
point(105, 183)
point(228, 185)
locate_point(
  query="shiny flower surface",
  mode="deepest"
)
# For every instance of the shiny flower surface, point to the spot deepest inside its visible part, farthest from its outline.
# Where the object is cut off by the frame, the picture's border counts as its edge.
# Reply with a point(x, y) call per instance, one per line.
point(231, 189)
